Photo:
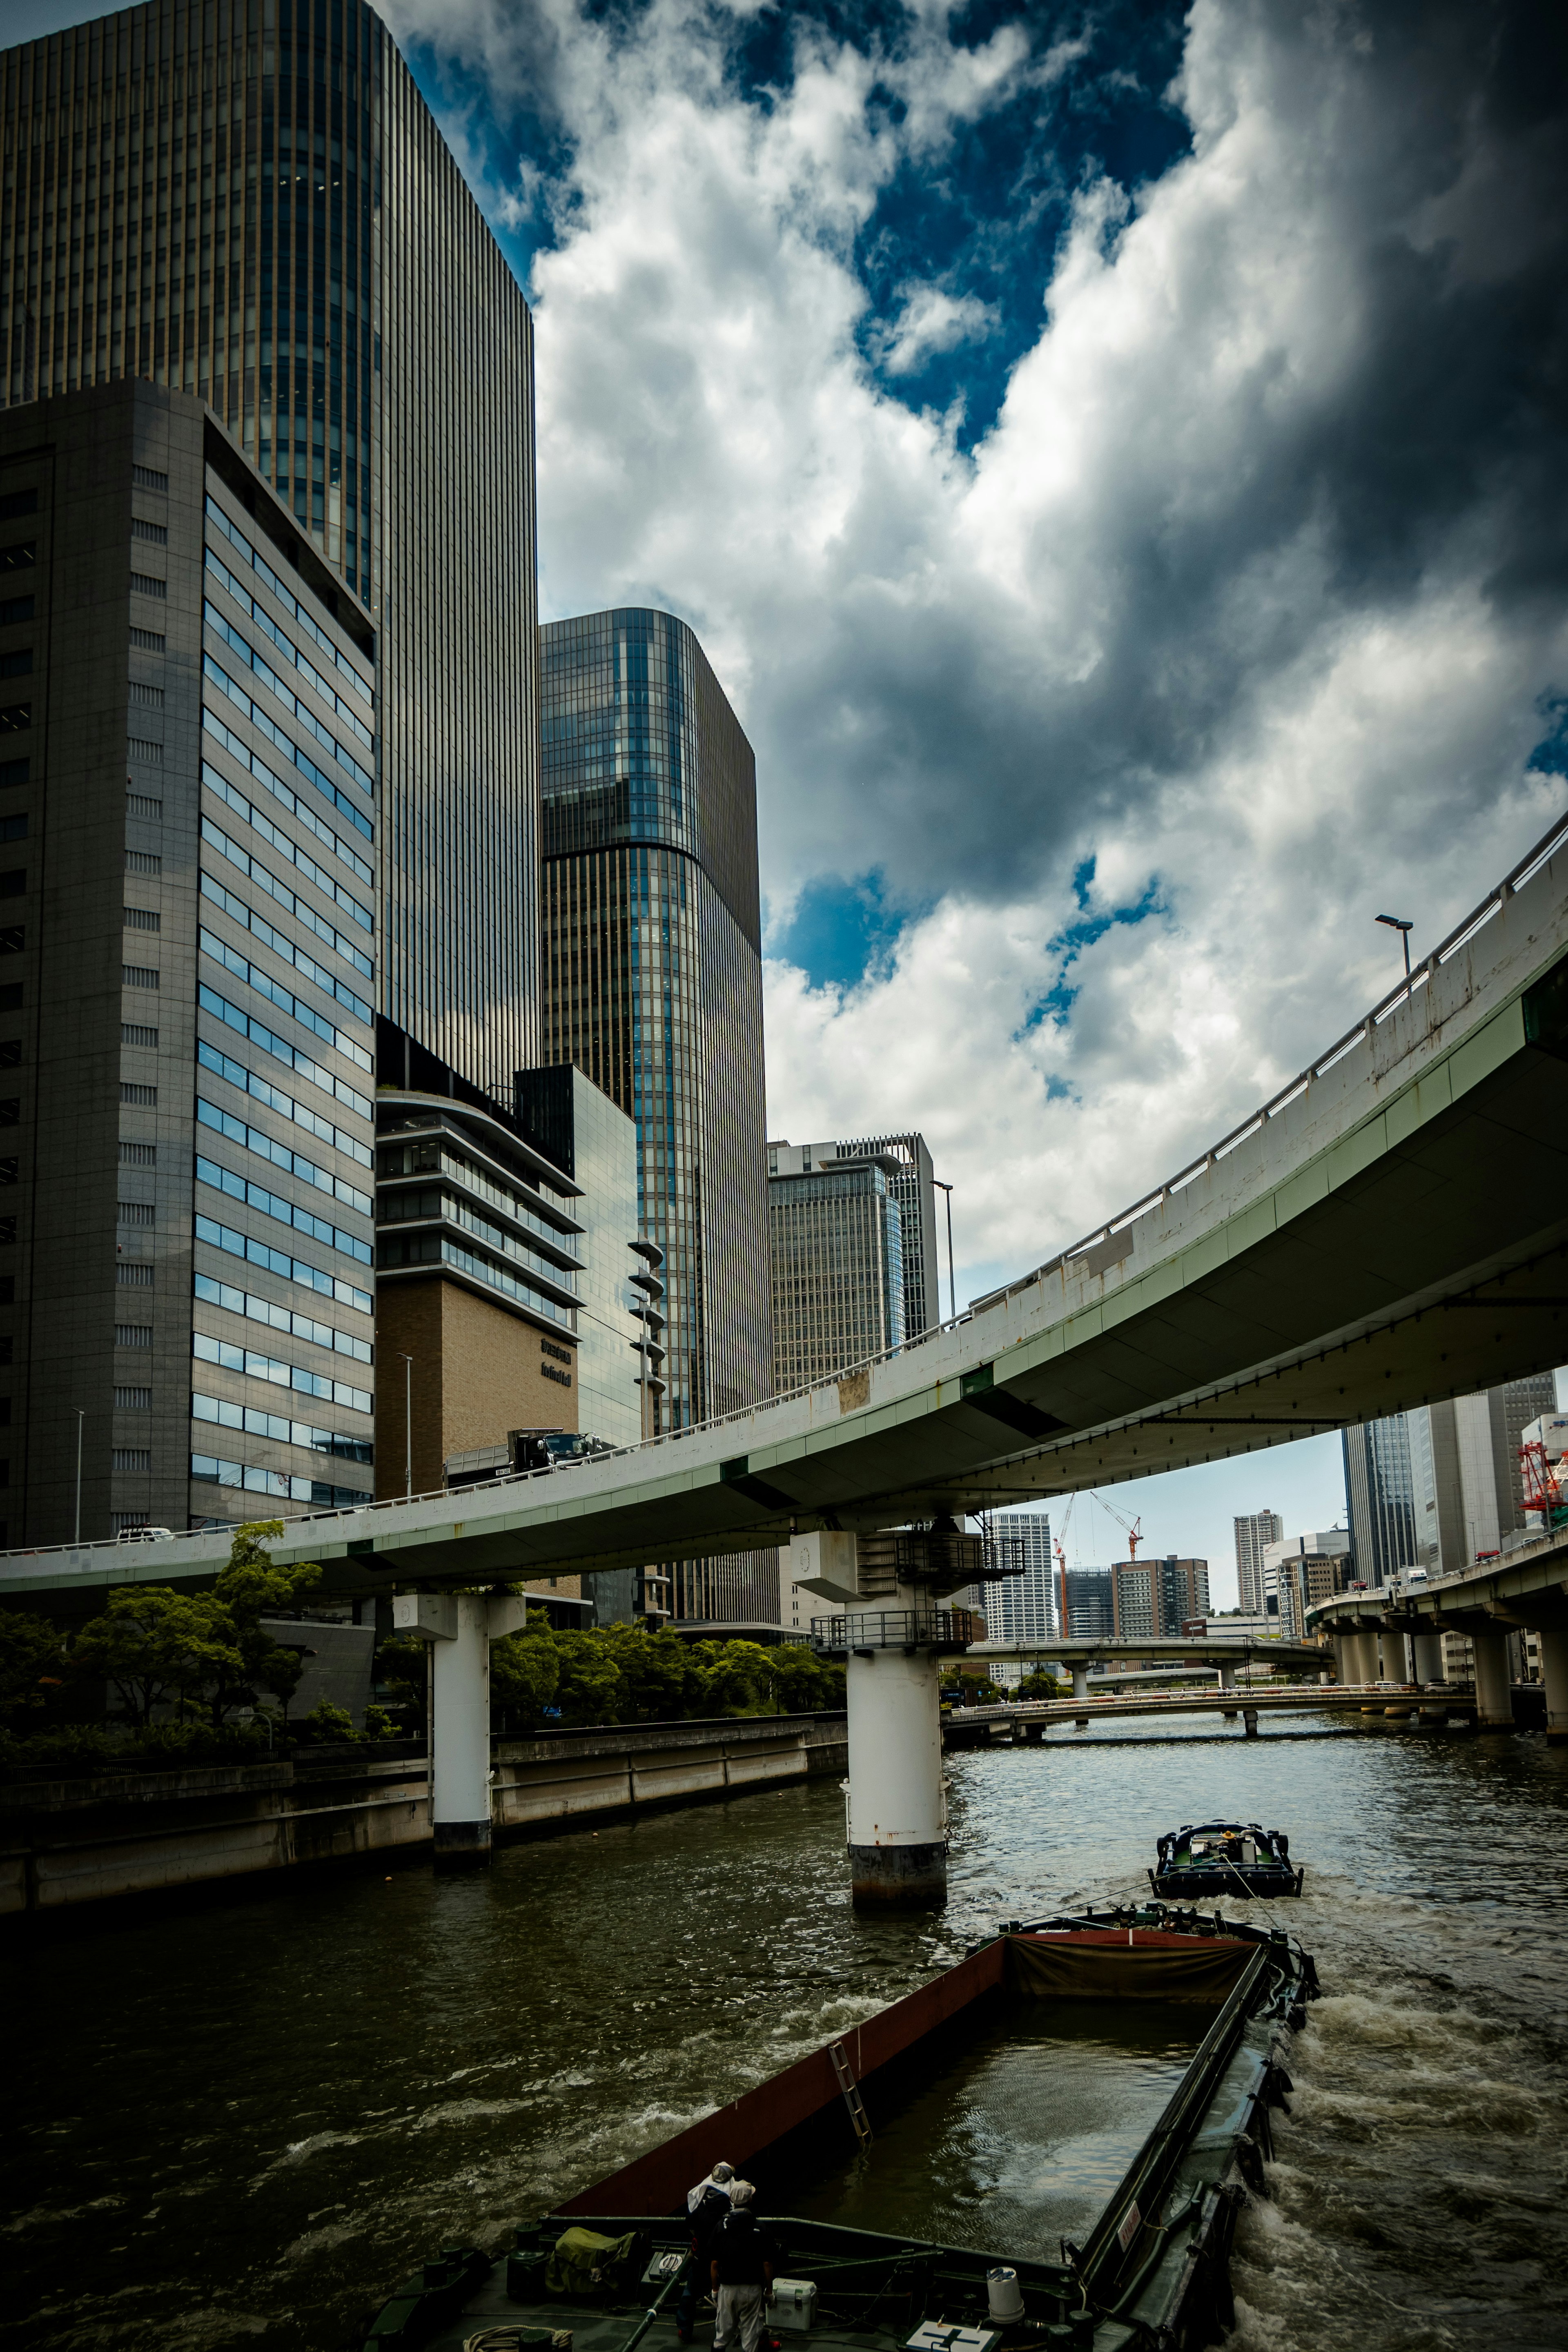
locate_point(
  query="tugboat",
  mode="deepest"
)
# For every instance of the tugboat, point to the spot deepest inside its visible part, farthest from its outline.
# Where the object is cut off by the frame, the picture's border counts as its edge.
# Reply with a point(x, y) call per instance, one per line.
point(1203, 1860)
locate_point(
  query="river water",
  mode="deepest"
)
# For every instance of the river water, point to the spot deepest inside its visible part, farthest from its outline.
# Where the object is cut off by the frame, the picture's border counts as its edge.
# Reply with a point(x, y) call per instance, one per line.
point(242, 2120)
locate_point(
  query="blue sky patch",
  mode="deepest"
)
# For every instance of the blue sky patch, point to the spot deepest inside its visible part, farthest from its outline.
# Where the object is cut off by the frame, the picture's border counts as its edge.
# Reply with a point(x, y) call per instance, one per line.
point(841, 930)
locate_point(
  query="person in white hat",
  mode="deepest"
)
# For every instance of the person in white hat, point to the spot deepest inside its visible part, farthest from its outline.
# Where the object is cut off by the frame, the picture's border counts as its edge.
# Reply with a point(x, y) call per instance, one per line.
point(742, 2271)
point(707, 2204)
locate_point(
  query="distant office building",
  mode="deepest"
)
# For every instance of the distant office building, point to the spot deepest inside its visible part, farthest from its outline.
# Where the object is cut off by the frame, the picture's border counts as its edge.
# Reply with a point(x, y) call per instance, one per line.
point(1298, 1572)
point(1254, 1531)
point(1091, 1608)
point(1021, 1608)
point(835, 1239)
point(652, 971)
point(913, 1186)
point(265, 217)
point(1441, 1486)
point(187, 982)
point(1156, 1597)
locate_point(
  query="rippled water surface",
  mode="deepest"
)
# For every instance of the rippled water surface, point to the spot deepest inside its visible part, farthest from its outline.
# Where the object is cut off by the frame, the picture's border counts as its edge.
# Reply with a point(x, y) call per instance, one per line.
point(242, 2119)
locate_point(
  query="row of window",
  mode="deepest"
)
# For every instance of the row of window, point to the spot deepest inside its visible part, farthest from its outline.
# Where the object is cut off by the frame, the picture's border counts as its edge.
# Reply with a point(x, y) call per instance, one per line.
point(208, 1471)
point(287, 1212)
point(250, 1082)
point(242, 702)
point(265, 572)
point(281, 1318)
point(293, 1163)
point(395, 1250)
point(258, 1367)
point(292, 1056)
point(290, 652)
point(326, 883)
point(291, 904)
point(284, 1431)
point(399, 1208)
point(255, 765)
point(251, 920)
point(299, 711)
point(295, 1006)
point(235, 1244)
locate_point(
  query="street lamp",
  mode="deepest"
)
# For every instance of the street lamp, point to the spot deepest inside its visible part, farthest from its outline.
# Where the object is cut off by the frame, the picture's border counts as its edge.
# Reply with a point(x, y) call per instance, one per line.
point(80, 1413)
point(952, 1286)
point(1397, 923)
point(409, 1428)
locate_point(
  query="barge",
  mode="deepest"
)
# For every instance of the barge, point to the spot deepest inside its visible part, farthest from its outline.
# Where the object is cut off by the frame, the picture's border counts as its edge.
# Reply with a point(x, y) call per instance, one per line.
point(1149, 2267)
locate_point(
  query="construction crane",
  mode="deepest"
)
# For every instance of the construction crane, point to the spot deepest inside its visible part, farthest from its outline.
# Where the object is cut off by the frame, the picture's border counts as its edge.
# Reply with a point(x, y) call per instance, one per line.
point(1131, 1528)
point(1058, 1546)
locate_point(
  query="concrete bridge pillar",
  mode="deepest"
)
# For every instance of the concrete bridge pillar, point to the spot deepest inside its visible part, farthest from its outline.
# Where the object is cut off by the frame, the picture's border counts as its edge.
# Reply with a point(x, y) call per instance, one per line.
point(1427, 1655)
point(459, 1628)
point(1080, 1678)
point(1227, 1677)
point(1494, 1703)
point(897, 1805)
point(1555, 1670)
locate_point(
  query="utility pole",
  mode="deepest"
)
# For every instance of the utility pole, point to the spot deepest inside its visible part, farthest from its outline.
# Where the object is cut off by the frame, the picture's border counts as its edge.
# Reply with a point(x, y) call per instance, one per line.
point(81, 1412)
point(952, 1289)
point(408, 1427)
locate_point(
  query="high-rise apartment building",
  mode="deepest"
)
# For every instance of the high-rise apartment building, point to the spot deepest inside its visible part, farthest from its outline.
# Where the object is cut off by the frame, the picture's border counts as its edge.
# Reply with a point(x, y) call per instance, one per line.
point(1157, 1597)
point(1092, 1608)
point(1253, 1533)
point(253, 206)
point(652, 971)
point(187, 977)
point(1021, 1608)
point(1298, 1572)
point(835, 1247)
point(1441, 1486)
point(912, 1184)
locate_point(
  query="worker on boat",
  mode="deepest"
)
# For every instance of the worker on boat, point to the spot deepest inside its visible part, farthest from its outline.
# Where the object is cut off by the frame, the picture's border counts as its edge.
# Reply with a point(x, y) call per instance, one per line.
point(742, 2269)
point(706, 2204)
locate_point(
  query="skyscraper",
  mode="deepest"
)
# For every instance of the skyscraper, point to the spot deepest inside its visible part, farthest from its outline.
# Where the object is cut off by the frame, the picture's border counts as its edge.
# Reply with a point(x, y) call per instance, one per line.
point(254, 205)
point(913, 1186)
point(186, 794)
point(1021, 1608)
point(1157, 1597)
point(1253, 1532)
point(835, 1237)
point(652, 973)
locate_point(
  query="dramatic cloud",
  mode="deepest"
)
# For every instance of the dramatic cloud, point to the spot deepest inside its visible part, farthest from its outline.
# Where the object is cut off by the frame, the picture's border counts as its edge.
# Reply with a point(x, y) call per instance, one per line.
point(1119, 475)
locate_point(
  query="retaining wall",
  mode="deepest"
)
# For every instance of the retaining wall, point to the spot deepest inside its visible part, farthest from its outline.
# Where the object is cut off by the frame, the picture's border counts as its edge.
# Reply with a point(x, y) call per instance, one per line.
point(71, 1840)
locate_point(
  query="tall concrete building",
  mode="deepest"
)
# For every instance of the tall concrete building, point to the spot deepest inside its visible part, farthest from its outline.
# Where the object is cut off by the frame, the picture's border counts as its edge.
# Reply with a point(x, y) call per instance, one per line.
point(1253, 1532)
point(1440, 1487)
point(1021, 1608)
point(1157, 1597)
point(1298, 1572)
point(1092, 1608)
point(652, 973)
point(835, 1250)
point(253, 205)
point(187, 974)
point(912, 1184)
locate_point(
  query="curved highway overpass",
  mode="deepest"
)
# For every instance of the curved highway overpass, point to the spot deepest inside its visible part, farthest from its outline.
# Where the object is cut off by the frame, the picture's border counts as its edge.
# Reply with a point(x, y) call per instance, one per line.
point(1391, 1228)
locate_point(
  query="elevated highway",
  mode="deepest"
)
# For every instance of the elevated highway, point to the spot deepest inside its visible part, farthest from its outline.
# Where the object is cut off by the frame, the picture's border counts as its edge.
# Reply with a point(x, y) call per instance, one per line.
point(1527, 1590)
point(1390, 1227)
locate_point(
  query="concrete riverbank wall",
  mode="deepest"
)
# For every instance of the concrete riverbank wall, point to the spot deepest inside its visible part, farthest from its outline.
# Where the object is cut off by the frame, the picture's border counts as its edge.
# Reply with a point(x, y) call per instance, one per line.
point(88, 1839)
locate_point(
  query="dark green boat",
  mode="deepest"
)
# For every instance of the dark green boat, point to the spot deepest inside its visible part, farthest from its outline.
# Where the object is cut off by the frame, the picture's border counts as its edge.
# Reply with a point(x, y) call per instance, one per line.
point(1203, 1861)
point(849, 2133)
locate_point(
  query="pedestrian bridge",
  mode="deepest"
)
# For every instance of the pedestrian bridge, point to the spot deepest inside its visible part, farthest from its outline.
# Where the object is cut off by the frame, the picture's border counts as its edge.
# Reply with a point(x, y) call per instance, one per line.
point(1390, 1227)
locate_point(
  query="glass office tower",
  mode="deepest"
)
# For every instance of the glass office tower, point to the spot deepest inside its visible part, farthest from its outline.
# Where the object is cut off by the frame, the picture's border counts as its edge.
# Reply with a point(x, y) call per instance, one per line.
point(652, 970)
point(252, 202)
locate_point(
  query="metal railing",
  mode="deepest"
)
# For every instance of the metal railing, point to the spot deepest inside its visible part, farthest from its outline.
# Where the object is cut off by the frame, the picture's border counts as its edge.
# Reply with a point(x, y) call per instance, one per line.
point(1364, 1030)
point(893, 1629)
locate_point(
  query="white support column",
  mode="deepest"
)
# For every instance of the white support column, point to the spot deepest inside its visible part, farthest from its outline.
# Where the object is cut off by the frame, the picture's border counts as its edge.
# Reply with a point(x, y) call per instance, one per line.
point(1494, 1701)
point(1227, 1677)
point(1554, 1672)
point(1426, 1652)
point(897, 1805)
point(1080, 1678)
point(459, 1628)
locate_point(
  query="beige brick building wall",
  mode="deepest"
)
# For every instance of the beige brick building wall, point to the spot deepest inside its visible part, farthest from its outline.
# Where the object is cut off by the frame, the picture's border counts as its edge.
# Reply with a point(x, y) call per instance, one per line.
point(477, 1372)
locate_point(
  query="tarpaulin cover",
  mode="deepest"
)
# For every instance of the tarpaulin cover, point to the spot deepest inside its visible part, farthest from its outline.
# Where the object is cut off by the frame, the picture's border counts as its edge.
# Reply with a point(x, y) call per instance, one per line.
point(581, 2261)
point(1109, 1967)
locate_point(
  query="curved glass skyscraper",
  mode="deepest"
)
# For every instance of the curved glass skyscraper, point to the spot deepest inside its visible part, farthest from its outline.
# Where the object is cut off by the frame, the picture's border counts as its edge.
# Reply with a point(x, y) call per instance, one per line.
point(248, 200)
point(652, 970)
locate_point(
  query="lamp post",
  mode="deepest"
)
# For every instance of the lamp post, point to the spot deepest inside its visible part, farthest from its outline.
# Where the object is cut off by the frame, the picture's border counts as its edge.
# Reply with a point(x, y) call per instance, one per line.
point(81, 1412)
point(951, 1287)
point(1398, 923)
point(409, 1428)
